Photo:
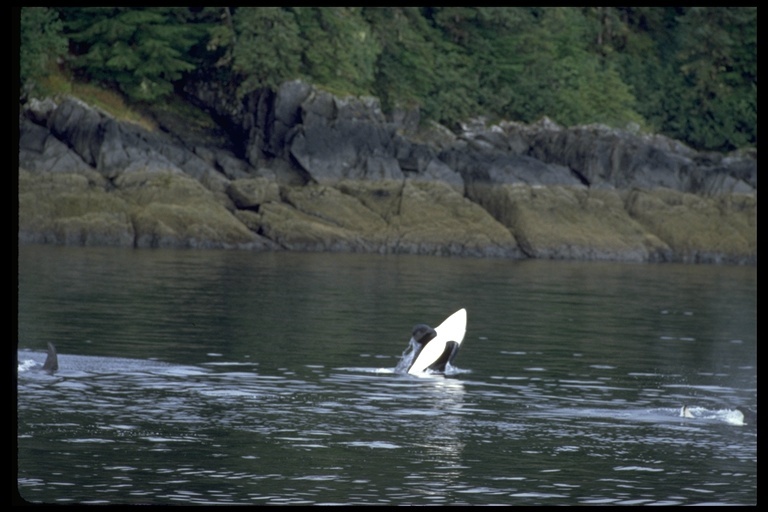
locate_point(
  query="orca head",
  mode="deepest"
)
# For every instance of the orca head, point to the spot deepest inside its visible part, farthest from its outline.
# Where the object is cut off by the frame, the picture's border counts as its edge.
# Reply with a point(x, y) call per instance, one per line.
point(748, 416)
point(685, 412)
point(51, 364)
point(420, 336)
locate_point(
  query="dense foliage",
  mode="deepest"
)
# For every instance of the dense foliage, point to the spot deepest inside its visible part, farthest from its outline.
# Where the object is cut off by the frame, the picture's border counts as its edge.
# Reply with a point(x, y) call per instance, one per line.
point(687, 72)
point(41, 41)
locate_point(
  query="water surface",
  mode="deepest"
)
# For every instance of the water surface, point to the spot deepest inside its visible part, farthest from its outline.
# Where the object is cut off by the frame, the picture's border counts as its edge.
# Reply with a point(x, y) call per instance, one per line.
point(217, 377)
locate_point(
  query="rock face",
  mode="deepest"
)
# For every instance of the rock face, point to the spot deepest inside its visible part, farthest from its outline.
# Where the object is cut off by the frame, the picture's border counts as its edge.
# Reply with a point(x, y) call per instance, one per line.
point(302, 169)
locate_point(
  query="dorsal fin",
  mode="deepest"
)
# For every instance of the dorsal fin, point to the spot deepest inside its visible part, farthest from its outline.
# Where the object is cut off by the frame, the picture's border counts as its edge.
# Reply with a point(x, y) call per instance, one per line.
point(51, 361)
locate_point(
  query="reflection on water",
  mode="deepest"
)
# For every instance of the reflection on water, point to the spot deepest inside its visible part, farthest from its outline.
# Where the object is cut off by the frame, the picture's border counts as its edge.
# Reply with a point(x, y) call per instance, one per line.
point(219, 377)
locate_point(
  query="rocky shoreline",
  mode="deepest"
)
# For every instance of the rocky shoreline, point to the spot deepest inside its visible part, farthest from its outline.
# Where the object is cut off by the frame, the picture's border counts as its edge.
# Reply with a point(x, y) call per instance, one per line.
point(299, 169)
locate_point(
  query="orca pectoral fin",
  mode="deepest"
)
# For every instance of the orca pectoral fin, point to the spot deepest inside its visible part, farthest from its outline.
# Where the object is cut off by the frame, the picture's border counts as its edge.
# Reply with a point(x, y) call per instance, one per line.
point(51, 361)
point(449, 352)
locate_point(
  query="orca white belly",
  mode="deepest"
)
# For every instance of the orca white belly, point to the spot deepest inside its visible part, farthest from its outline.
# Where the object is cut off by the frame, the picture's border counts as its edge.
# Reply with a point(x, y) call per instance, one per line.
point(453, 329)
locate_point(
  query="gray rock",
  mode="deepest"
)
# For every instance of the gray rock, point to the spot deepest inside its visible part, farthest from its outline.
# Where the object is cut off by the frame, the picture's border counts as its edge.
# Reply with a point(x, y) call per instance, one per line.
point(40, 151)
point(250, 193)
point(343, 139)
point(625, 159)
point(301, 169)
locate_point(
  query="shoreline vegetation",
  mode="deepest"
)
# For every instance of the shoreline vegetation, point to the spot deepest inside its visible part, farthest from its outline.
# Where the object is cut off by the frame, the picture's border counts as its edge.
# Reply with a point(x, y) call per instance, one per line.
point(207, 127)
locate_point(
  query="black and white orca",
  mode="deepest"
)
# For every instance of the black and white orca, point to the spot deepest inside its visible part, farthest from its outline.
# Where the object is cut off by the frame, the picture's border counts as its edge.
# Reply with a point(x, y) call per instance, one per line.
point(50, 366)
point(433, 350)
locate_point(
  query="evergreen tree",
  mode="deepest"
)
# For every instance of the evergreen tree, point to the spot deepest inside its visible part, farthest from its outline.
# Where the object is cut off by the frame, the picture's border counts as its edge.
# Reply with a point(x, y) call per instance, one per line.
point(140, 50)
point(690, 73)
point(268, 47)
point(405, 74)
point(717, 50)
point(494, 41)
point(340, 52)
point(693, 71)
point(635, 51)
point(41, 41)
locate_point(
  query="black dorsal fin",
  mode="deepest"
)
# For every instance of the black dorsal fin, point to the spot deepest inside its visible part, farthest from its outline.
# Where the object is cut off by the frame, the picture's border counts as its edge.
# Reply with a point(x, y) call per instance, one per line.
point(52, 361)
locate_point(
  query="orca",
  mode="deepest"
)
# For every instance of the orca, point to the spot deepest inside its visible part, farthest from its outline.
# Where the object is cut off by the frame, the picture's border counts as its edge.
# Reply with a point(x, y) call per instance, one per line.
point(748, 416)
point(735, 416)
point(50, 366)
point(51, 363)
point(433, 350)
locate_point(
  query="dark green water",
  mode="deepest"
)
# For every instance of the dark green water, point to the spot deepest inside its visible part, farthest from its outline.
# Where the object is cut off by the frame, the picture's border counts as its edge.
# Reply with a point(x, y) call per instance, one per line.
point(215, 377)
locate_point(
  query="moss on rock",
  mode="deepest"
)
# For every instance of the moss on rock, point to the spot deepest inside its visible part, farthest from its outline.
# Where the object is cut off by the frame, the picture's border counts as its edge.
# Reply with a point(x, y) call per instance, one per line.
point(145, 209)
point(699, 229)
point(71, 209)
point(560, 222)
point(171, 209)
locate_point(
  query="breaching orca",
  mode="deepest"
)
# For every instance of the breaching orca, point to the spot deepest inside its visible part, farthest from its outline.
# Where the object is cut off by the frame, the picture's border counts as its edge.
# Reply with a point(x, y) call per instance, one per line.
point(433, 350)
point(50, 365)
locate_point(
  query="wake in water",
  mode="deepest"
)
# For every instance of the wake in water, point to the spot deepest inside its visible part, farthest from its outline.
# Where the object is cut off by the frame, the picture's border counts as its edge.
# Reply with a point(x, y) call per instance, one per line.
point(450, 371)
point(74, 366)
point(737, 416)
point(50, 366)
